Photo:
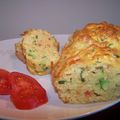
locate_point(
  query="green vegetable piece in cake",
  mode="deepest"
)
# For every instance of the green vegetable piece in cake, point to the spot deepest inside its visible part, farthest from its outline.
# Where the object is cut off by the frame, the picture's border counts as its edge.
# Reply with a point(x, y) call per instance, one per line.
point(103, 83)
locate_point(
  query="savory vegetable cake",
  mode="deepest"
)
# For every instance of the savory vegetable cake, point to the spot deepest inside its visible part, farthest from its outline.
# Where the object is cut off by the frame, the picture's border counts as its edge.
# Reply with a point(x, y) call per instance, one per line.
point(89, 67)
point(40, 50)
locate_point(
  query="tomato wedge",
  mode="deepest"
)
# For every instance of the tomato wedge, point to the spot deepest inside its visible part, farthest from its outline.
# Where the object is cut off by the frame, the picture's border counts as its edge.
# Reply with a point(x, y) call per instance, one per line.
point(26, 92)
point(4, 82)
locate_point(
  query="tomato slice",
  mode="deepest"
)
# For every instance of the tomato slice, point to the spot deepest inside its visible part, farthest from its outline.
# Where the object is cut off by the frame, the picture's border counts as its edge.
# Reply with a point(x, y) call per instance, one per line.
point(4, 82)
point(26, 92)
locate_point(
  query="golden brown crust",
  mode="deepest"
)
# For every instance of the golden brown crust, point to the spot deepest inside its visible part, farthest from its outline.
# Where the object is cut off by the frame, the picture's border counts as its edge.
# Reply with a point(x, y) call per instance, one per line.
point(93, 45)
point(99, 33)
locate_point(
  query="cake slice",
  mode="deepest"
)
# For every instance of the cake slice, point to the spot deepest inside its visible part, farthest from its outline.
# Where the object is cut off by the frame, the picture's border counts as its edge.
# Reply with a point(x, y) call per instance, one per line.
point(39, 49)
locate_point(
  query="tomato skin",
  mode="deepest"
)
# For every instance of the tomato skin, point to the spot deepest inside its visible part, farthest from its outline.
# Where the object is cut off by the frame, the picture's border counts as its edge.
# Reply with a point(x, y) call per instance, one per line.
point(26, 92)
point(5, 87)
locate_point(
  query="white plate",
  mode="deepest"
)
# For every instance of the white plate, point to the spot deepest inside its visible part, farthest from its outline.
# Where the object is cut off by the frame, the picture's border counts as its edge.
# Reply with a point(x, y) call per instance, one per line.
point(54, 109)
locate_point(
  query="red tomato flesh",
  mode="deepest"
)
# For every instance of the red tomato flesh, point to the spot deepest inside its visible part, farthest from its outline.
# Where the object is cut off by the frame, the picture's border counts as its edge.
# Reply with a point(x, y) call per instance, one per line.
point(4, 82)
point(26, 92)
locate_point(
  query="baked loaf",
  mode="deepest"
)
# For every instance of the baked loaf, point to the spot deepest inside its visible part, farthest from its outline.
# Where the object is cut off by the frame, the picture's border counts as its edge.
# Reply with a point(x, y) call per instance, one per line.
point(89, 67)
point(39, 50)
